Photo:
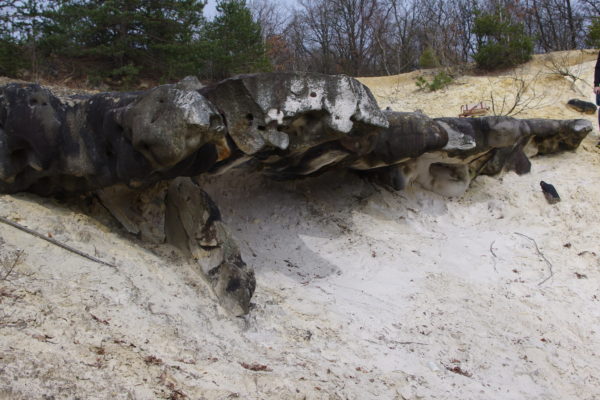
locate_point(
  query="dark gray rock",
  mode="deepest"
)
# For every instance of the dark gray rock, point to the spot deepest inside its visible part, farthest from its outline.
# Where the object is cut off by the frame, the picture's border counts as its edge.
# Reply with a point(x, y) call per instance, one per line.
point(409, 135)
point(193, 224)
point(582, 106)
point(294, 112)
point(296, 124)
point(551, 136)
point(474, 146)
point(178, 212)
point(84, 143)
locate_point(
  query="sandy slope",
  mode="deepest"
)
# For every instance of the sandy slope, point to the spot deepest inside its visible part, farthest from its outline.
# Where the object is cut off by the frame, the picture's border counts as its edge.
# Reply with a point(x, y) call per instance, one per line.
point(362, 293)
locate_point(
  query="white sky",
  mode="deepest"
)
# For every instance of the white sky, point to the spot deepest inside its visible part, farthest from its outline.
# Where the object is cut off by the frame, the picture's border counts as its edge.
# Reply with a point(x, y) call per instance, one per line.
point(210, 8)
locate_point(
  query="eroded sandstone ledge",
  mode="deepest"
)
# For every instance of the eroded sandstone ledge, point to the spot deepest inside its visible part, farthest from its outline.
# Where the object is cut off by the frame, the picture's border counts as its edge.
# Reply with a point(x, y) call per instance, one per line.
point(136, 149)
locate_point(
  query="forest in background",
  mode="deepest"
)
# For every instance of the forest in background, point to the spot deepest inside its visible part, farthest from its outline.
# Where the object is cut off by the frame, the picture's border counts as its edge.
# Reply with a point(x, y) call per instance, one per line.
point(121, 43)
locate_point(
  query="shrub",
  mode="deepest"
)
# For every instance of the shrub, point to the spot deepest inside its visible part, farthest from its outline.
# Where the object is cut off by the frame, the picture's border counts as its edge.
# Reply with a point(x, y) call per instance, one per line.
point(439, 81)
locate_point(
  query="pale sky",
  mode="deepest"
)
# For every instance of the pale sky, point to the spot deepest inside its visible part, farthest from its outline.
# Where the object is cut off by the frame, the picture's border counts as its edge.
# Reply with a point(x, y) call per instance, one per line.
point(210, 8)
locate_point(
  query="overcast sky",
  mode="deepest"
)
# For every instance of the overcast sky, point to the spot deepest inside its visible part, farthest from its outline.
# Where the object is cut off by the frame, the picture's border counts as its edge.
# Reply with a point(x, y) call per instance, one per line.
point(210, 10)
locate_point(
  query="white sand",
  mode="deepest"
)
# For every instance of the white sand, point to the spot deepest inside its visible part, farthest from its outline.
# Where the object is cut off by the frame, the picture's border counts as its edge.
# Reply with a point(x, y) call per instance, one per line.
point(362, 293)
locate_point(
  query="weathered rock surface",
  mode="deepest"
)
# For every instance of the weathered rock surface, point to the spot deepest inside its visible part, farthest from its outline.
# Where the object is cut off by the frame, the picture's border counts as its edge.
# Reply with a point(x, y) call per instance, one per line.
point(180, 213)
point(582, 106)
point(126, 146)
point(85, 143)
point(297, 123)
point(474, 146)
point(193, 224)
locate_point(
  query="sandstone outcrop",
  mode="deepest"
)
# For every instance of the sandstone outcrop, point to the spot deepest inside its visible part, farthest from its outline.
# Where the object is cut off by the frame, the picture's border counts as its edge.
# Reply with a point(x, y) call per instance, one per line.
point(136, 150)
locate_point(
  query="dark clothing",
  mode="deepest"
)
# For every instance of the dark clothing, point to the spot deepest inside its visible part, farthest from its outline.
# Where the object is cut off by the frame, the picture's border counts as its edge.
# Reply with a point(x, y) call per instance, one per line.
point(597, 73)
point(597, 83)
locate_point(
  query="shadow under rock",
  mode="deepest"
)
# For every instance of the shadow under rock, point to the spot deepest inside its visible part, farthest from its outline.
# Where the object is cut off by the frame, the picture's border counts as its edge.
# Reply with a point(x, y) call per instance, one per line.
point(271, 220)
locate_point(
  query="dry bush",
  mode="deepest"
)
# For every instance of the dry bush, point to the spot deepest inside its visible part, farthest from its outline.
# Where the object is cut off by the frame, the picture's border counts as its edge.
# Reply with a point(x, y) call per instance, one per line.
point(521, 97)
point(559, 64)
point(9, 260)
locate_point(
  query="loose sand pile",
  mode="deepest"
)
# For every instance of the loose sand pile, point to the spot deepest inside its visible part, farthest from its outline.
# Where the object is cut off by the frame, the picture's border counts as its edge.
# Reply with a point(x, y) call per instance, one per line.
point(362, 293)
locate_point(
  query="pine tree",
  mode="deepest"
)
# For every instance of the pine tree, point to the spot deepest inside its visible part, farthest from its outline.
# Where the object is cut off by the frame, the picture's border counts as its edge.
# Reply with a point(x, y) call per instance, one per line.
point(501, 43)
point(121, 39)
point(233, 41)
point(593, 36)
point(20, 23)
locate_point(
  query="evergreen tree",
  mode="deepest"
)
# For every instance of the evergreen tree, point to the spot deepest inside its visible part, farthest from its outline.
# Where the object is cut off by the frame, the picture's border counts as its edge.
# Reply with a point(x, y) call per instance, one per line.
point(19, 32)
point(233, 41)
point(501, 43)
point(122, 38)
point(593, 36)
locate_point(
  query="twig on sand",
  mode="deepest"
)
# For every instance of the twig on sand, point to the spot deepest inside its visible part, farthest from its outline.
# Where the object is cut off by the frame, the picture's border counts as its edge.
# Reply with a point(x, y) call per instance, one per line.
point(493, 254)
point(539, 253)
point(55, 242)
point(422, 344)
point(9, 266)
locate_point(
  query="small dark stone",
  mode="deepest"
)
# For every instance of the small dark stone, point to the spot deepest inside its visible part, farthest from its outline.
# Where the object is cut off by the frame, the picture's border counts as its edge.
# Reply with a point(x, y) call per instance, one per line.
point(582, 106)
point(550, 192)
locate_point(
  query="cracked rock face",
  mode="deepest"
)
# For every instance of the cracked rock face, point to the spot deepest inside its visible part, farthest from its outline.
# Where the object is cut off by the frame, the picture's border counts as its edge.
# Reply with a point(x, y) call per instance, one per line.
point(167, 124)
point(137, 150)
point(293, 111)
point(193, 224)
point(180, 213)
point(473, 146)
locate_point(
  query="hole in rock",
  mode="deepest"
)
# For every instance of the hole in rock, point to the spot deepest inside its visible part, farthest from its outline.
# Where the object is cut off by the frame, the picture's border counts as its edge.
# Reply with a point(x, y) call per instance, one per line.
point(313, 94)
point(233, 285)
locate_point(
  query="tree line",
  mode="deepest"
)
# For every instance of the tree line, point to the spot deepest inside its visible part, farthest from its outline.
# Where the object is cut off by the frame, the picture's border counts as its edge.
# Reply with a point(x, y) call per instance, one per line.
point(377, 37)
point(123, 41)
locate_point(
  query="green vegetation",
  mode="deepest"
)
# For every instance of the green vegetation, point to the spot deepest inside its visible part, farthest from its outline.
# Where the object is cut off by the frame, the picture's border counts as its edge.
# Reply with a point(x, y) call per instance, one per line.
point(120, 42)
point(429, 59)
point(116, 39)
point(440, 80)
point(501, 43)
point(593, 37)
point(233, 41)
point(12, 58)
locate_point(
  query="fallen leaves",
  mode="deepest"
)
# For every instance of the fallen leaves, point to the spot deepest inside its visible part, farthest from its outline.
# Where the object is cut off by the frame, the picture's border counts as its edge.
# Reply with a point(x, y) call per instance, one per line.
point(102, 321)
point(458, 370)
point(255, 367)
point(42, 338)
point(152, 360)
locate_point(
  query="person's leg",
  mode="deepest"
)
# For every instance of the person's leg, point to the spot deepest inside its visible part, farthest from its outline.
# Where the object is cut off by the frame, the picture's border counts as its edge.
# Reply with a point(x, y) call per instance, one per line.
point(598, 111)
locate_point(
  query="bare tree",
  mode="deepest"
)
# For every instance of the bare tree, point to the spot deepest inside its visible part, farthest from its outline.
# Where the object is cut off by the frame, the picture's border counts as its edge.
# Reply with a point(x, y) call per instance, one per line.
point(370, 37)
point(271, 17)
point(559, 24)
point(591, 7)
point(353, 34)
point(405, 22)
point(315, 19)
